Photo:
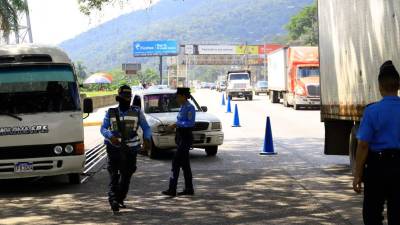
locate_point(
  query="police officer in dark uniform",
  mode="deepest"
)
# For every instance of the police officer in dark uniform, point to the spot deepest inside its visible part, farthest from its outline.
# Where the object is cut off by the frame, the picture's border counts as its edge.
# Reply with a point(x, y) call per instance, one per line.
point(378, 153)
point(184, 139)
point(120, 132)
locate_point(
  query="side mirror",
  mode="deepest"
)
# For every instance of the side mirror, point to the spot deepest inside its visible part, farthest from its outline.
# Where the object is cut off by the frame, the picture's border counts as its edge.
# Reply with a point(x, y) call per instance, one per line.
point(87, 105)
point(204, 108)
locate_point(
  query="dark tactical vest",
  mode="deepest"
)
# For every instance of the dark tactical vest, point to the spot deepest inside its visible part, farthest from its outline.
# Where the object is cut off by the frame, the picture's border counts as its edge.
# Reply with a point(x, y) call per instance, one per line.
point(129, 124)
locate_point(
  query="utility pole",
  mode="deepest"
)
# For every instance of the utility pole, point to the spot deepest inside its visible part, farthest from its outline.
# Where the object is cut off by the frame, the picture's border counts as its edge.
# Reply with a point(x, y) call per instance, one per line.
point(161, 69)
point(24, 32)
point(265, 61)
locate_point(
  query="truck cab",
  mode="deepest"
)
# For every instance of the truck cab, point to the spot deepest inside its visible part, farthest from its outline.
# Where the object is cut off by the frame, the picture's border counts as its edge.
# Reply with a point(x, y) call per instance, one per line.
point(238, 85)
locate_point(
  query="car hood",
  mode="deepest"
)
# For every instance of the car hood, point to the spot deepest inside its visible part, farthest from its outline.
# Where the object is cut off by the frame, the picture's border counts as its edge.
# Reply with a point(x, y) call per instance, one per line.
point(169, 118)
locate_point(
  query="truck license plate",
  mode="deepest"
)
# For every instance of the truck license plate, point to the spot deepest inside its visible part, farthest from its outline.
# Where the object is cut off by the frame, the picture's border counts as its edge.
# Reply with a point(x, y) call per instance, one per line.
point(23, 167)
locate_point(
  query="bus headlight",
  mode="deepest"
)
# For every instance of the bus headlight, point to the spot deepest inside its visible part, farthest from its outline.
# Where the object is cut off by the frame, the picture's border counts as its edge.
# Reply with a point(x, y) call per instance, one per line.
point(69, 149)
point(58, 150)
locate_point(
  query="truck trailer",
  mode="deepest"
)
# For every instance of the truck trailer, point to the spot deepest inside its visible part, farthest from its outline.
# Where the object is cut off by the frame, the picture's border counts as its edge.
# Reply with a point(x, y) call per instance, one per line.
point(356, 37)
point(293, 75)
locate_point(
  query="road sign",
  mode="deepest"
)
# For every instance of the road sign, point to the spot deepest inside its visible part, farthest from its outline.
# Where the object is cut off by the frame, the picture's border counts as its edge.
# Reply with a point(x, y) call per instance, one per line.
point(155, 48)
point(189, 50)
point(131, 66)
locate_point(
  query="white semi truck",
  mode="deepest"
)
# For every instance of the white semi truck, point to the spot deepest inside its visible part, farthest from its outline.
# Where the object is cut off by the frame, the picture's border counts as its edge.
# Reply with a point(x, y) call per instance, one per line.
point(41, 127)
point(356, 37)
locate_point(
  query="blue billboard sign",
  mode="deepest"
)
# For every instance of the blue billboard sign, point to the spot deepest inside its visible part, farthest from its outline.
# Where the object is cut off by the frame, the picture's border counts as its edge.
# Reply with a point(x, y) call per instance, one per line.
point(155, 48)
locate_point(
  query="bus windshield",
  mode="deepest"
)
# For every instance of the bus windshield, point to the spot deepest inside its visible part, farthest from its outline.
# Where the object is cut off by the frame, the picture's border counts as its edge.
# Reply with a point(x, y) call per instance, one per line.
point(37, 89)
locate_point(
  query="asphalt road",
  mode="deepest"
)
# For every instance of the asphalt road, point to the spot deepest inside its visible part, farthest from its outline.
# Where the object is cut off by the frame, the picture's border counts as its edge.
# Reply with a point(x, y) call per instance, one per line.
point(299, 185)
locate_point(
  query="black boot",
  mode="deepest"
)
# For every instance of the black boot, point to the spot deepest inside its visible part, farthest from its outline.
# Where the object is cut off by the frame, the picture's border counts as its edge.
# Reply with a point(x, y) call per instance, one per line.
point(187, 192)
point(169, 192)
point(115, 207)
point(122, 205)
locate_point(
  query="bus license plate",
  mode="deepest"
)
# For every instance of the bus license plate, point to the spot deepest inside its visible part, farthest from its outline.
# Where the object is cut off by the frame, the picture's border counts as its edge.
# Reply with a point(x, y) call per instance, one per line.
point(23, 167)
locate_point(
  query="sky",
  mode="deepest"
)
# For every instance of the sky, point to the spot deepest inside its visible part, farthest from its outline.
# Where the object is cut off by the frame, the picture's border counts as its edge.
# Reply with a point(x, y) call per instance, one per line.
point(54, 21)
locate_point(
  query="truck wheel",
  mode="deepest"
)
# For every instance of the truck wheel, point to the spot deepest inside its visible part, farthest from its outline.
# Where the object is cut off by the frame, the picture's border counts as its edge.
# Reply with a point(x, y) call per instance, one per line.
point(257, 93)
point(295, 106)
point(274, 97)
point(74, 178)
point(285, 101)
point(353, 148)
point(212, 151)
point(251, 97)
point(153, 151)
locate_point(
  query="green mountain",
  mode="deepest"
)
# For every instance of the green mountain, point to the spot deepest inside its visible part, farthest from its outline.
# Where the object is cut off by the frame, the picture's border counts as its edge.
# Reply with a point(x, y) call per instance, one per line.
point(190, 21)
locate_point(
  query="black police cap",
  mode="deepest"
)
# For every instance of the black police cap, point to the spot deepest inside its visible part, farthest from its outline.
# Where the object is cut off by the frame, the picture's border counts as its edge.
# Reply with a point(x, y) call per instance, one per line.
point(183, 91)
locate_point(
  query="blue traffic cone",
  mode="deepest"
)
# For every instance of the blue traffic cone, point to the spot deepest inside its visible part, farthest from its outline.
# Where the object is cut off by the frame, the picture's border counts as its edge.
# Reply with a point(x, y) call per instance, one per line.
point(223, 99)
point(228, 108)
point(236, 122)
point(268, 141)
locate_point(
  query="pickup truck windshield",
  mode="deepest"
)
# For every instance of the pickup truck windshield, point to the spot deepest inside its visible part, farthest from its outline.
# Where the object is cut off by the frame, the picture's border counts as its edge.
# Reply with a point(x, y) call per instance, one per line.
point(37, 89)
point(162, 103)
point(239, 76)
point(304, 72)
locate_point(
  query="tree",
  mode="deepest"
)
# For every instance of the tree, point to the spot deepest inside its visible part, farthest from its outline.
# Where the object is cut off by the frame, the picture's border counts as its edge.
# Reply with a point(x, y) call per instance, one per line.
point(303, 27)
point(80, 71)
point(87, 6)
point(9, 10)
point(148, 76)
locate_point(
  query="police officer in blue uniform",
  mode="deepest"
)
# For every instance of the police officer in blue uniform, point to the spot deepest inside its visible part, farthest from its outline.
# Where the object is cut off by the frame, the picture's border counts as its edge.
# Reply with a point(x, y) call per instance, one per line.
point(378, 152)
point(119, 129)
point(184, 139)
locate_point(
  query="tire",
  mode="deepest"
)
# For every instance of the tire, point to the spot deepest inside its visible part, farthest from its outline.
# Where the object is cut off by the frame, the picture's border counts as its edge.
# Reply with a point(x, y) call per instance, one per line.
point(212, 151)
point(257, 93)
point(251, 97)
point(295, 106)
point(353, 148)
point(74, 178)
point(285, 101)
point(153, 151)
point(274, 97)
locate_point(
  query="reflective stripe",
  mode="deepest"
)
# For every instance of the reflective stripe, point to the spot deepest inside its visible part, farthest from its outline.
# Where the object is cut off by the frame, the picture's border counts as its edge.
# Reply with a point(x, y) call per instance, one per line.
point(134, 144)
point(134, 139)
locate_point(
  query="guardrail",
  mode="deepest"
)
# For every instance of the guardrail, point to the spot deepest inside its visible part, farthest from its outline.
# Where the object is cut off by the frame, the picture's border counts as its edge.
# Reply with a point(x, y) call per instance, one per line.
point(95, 161)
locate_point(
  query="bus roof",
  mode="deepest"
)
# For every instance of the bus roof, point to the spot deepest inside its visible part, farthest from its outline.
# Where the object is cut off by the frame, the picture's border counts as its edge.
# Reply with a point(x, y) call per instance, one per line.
point(57, 55)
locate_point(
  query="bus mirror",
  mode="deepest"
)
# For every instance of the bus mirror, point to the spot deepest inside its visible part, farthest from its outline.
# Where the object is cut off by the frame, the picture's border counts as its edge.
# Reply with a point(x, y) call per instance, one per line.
point(204, 108)
point(87, 105)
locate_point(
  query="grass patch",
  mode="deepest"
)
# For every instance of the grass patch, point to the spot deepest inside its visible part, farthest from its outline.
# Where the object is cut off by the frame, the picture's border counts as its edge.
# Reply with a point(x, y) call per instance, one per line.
point(99, 93)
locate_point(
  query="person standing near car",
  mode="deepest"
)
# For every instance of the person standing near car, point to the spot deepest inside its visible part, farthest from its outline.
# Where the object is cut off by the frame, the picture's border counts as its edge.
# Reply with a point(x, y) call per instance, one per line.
point(119, 129)
point(378, 152)
point(184, 140)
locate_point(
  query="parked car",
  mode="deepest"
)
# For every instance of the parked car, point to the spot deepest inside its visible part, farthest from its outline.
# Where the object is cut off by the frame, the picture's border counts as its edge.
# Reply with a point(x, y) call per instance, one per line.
point(221, 86)
point(261, 87)
point(161, 109)
point(213, 86)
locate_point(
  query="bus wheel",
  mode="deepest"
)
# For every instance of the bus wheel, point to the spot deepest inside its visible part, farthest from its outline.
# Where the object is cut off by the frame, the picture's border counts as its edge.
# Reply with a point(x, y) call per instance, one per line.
point(74, 178)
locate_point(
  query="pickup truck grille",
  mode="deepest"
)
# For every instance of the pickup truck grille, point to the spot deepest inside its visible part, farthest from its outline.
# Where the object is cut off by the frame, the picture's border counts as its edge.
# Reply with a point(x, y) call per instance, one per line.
point(239, 86)
point(199, 126)
point(314, 90)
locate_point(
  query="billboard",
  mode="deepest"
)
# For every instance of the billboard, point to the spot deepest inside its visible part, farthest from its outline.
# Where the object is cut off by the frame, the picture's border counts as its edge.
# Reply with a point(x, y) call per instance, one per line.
point(237, 49)
point(155, 48)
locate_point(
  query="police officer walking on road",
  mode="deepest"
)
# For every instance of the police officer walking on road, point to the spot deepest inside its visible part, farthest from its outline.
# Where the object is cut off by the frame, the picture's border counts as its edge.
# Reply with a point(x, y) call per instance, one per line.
point(184, 139)
point(122, 141)
point(378, 152)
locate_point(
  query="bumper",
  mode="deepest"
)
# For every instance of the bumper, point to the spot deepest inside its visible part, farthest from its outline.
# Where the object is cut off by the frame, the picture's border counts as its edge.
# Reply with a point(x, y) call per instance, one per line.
point(200, 139)
point(265, 91)
point(43, 166)
point(308, 101)
point(240, 94)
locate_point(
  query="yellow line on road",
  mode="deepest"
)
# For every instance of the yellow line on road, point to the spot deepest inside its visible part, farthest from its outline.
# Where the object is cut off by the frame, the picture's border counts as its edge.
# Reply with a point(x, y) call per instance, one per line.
point(92, 124)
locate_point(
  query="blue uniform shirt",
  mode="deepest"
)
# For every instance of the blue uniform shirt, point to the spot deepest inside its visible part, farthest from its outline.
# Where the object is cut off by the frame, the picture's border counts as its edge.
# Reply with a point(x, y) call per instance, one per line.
point(142, 123)
point(187, 116)
point(380, 126)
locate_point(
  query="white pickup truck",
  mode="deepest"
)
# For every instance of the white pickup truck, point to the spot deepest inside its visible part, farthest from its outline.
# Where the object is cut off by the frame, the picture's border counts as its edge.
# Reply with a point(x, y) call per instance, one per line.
point(161, 109)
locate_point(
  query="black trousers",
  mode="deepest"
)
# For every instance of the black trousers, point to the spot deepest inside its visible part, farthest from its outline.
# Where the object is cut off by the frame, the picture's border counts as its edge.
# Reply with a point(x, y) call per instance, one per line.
point(382, 185)
point(184, 140)
point(120, 168)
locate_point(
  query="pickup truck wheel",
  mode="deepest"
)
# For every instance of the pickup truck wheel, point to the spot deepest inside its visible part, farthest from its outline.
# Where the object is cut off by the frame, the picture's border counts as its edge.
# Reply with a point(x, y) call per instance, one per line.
point(153, 151)
point(211, 151)
point(74, 178)
point(353, 148)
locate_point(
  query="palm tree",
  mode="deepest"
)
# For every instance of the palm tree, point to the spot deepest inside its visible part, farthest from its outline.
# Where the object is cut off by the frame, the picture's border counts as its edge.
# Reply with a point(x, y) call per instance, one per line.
point(9, 10)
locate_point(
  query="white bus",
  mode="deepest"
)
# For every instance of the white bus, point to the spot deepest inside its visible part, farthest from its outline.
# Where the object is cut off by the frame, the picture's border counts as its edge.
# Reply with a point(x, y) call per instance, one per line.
point(41, 125)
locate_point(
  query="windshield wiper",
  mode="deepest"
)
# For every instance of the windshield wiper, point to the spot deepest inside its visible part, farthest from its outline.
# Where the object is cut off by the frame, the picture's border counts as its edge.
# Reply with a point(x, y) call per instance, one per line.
point(11, 115)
